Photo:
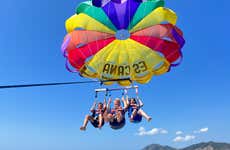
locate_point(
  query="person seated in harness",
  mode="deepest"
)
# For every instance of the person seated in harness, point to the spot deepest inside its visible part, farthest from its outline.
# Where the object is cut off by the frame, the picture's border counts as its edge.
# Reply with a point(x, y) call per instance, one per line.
point(96, 118)
point(116, 115)
point(135, 113)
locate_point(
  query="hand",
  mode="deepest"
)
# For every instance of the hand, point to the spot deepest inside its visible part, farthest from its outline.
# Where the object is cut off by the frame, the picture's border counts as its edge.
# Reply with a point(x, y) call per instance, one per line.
point(99, 126)
point(82, 128)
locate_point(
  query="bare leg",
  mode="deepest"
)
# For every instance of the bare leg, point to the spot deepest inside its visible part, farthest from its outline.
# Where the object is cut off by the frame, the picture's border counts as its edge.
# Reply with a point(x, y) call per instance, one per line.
point(142, 113)
point(100, 121)
point(119, 116)
point(106, 116)
point(134, 113)
point(87, 118)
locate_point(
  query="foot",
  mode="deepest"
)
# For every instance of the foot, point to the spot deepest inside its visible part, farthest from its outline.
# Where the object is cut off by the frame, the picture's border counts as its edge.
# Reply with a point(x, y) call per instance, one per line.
point(149, 119)
point(99, 126)
point(82, 128)
point(131, 119)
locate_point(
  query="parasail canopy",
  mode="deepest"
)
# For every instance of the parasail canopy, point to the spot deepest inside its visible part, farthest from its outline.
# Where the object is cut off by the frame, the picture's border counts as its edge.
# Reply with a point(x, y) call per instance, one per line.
point(114, 39)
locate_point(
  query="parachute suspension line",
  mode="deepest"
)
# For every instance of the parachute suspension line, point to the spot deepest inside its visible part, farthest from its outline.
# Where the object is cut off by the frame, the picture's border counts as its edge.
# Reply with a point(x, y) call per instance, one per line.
point(95, 98)
point(96, 95)
point(106, 93)
point(125, 91)
point(136, 90)
point(106, 96)
point(110, 95)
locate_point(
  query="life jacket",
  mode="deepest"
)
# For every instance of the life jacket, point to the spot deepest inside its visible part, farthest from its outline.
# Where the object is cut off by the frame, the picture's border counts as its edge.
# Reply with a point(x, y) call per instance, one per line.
point(134, 106)
point(131, 108)
point(97, 112)
point(115, 111)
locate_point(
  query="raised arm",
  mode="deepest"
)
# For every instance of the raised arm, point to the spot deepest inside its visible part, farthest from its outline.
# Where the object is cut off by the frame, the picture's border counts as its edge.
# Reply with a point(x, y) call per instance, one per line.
point(93, 106)
point(126, 97)
point(104, 104)
point(124, 102)
point(140, 103)
point(108, 104)
point(127, 100)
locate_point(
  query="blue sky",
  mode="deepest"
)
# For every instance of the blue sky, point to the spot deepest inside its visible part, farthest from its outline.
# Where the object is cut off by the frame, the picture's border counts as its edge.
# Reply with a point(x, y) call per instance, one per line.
point(192, 96)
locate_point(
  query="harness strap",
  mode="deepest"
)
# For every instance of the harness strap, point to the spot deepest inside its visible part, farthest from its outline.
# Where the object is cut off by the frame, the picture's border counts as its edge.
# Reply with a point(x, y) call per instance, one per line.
point(96, 95)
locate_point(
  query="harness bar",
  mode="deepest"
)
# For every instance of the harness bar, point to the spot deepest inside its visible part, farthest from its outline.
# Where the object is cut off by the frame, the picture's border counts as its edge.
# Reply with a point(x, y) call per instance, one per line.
point(116, 89)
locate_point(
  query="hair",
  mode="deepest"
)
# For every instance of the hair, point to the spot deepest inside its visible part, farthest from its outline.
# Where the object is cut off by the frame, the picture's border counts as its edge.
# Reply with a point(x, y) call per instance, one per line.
point(133, 99)
point(117, 99)
point(100, 103)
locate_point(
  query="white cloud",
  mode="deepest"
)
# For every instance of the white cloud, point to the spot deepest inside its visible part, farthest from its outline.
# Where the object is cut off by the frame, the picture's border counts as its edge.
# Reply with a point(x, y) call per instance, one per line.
point(178, 139)
point(202, 130)
point(154, 131)
point(184, 138)
point(179, 132)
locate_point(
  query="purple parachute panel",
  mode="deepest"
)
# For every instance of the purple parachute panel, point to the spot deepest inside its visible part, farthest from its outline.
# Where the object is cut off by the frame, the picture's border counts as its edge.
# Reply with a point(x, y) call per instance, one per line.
point(121, 13)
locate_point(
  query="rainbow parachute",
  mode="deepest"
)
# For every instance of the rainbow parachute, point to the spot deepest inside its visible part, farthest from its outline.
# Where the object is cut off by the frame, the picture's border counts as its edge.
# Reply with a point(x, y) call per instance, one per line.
point(114, 39)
